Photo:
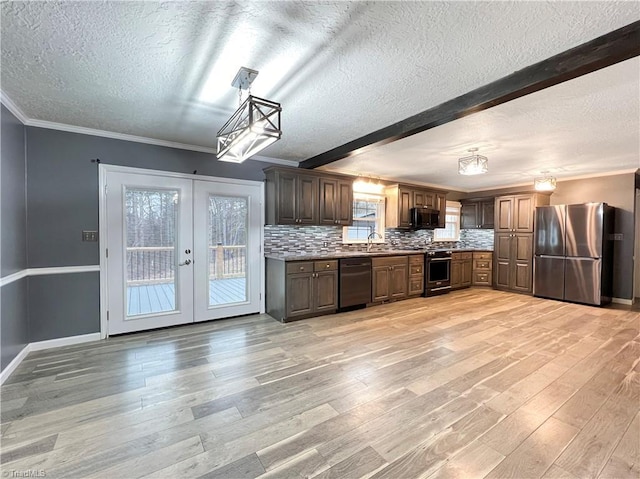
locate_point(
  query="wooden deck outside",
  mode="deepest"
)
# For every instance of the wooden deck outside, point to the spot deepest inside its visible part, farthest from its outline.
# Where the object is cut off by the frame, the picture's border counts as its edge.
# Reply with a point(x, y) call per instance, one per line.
point(156, 298)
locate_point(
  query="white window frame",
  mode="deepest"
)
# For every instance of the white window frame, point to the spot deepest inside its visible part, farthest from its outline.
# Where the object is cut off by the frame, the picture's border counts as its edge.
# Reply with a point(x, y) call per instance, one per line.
point(379, 221)
point(452, 212)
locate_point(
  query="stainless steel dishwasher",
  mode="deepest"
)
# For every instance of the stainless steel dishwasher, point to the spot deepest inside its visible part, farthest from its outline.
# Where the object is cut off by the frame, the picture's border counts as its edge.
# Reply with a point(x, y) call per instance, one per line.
point(355, 282)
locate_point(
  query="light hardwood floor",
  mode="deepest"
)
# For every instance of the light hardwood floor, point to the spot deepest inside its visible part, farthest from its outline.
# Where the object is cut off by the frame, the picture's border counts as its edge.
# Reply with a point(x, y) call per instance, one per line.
point(477, 383)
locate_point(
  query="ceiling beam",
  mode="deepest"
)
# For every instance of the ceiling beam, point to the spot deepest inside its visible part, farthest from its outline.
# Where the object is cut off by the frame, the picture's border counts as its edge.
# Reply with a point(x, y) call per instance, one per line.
point(604, 51)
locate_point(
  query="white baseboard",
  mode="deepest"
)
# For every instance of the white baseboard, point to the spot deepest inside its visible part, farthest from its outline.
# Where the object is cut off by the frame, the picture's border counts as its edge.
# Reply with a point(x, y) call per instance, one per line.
point(628, 302)
point(41, 345)
point(6, 372)
point(68, 341)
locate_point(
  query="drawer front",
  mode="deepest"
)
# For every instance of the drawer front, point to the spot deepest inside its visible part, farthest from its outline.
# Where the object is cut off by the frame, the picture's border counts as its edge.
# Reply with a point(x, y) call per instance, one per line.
point(460, 256)
point(416, 269)
point(482, 264)
point(329, 265)
point(482, 278)
point(389, 261)
point(416, 286)
point(416, 259)
point(299, 267)
point(488, 256)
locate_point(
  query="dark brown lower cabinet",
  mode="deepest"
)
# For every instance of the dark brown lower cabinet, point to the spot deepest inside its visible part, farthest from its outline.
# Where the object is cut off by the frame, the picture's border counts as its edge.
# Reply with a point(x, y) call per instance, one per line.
point(300, 293)
point(461, 270)
point(390, 278)
point(416, 275)
point(301, 289)
point(482, 268)
point(513, 262)
point(325, 291)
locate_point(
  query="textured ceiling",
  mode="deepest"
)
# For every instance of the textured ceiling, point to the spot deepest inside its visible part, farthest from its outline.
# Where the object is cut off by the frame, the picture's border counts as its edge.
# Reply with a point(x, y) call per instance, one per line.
point(586, 126)
point(340, 69)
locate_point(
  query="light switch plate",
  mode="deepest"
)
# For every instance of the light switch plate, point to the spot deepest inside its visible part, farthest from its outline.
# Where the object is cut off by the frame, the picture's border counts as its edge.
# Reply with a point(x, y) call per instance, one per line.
point(616, 237)
point(89, 236)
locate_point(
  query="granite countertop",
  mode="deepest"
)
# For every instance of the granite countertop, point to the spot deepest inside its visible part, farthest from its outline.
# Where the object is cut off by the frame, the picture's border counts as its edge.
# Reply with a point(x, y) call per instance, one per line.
point(356, 254)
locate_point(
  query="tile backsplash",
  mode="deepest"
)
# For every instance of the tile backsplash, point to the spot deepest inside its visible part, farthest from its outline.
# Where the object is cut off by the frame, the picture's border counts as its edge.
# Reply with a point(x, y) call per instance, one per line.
point(311, 240)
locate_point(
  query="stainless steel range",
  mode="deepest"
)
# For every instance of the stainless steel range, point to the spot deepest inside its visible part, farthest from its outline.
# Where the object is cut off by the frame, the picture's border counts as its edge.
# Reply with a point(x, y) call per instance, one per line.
point(437, 272)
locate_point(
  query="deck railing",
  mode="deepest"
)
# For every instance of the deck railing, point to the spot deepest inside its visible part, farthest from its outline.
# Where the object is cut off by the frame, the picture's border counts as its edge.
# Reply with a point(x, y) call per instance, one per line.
point(150, 264)
point(156, 264)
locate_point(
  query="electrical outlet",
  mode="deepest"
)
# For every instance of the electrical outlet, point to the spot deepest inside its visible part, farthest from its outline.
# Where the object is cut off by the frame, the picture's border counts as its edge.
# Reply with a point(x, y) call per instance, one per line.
point(89, 236)
point(325, 244)
point(616, 237)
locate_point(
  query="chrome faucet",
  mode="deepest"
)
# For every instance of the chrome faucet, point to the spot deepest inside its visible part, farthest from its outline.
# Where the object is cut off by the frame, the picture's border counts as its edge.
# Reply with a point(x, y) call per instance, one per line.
point(370, 238)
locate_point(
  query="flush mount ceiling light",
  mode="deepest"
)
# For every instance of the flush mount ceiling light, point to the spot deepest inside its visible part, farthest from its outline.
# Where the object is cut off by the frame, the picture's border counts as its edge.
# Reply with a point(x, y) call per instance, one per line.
point(545, 182)
point(254, 125)
point(474, 164)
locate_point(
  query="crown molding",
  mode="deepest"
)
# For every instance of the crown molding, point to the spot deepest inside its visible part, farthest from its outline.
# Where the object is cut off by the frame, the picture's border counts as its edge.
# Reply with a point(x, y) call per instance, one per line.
point(51, 125)
point(13, 108)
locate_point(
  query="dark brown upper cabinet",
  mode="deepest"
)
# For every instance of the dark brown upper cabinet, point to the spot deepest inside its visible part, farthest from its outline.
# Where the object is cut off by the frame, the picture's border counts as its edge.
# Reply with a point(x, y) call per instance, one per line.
point(336, 201)
point(401, 198)
point(478, 213)
point(515, 213)
point(302, 197)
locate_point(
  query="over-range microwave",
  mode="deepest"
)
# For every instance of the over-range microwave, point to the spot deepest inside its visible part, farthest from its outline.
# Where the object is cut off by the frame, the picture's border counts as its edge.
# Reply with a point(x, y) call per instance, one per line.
point(424, 218)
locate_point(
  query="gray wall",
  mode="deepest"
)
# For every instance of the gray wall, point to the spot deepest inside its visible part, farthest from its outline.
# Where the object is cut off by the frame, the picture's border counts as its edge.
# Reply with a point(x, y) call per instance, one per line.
point(62, 201)
point(14, 332)
point(63, 305)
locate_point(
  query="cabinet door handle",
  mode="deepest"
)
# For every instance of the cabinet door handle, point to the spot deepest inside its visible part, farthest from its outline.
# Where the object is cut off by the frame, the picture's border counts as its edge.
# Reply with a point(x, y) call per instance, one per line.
point(301, 268)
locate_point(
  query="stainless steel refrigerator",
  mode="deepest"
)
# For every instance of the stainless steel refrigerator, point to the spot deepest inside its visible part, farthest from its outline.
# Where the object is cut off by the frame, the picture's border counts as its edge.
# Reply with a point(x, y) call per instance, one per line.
point(574, 253)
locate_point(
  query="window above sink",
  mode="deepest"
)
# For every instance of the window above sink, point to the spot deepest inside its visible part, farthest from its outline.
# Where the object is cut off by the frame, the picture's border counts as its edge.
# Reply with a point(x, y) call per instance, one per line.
point(368, 218)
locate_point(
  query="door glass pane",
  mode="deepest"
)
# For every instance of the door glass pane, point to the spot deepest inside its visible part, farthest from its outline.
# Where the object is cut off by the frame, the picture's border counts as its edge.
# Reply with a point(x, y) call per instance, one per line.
point(227, 250)
point(150, 224)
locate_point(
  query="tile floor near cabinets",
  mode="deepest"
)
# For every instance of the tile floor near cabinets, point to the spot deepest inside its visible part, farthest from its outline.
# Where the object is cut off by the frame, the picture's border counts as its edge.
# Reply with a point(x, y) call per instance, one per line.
point(477, 383)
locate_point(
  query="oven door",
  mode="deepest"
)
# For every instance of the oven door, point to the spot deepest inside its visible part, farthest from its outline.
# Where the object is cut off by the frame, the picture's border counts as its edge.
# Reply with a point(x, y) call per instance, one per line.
point(438, 272)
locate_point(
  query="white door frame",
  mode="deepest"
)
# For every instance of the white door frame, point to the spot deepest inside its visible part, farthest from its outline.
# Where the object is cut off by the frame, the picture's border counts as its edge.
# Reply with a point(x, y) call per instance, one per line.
point(102, 229)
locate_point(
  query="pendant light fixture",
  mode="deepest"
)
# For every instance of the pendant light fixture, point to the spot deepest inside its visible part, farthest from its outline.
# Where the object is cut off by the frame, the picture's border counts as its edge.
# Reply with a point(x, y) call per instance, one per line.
point(545, 182)
point(254, 126)
point(474, 164)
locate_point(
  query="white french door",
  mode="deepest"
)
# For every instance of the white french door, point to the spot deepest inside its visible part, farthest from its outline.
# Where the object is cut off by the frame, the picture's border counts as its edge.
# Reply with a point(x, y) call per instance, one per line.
point(227, 225)
point(179, 250)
